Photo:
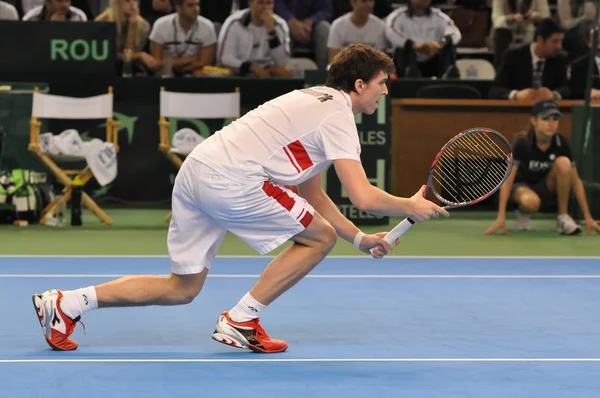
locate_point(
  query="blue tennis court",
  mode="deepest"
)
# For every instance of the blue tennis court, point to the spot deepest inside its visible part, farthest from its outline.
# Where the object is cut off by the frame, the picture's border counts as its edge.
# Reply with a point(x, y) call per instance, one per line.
point(356, 327)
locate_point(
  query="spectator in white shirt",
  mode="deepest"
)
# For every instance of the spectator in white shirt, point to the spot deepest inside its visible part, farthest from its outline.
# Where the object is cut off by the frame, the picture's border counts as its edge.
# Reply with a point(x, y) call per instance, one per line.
point(55, 10)
point(424, 40)
point(186, 38)
point(357, 26)
point(255, 41)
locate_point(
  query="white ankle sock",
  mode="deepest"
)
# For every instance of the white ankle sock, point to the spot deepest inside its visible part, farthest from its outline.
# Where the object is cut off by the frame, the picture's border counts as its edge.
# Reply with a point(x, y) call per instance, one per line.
point(76, 302)
point(246, 309)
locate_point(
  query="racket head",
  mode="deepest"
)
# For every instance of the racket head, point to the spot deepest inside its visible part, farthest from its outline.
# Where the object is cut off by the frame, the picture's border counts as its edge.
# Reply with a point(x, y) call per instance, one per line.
point(470, 167)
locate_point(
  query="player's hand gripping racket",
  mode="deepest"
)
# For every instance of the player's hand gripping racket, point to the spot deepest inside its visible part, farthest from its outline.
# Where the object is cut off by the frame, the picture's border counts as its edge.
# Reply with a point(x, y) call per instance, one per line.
point(468, 169)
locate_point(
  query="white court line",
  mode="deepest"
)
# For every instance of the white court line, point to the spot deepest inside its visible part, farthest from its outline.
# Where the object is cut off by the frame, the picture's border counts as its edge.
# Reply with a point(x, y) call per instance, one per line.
point(364, 257)
point(298, 360)
point(324, 276)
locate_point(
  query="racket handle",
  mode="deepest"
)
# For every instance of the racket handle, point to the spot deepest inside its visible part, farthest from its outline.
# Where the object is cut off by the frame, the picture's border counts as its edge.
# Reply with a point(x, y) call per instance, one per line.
point(398, 231)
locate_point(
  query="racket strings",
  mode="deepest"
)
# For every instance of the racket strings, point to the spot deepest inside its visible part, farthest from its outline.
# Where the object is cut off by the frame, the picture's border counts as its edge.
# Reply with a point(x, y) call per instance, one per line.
point(471, 170)
point(472, 166)
point(481, 164)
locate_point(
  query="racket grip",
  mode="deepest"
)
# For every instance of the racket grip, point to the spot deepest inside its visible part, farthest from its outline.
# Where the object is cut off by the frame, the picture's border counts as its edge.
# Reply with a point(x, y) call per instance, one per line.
point(398, 231)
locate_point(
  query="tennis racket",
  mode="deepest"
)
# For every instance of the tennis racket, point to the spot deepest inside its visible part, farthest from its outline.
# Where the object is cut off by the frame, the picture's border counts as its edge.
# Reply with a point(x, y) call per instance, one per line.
point(468, 169)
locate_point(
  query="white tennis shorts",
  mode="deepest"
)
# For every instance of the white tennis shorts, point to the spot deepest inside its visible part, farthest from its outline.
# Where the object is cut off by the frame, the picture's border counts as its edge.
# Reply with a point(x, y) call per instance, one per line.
point(206, 204)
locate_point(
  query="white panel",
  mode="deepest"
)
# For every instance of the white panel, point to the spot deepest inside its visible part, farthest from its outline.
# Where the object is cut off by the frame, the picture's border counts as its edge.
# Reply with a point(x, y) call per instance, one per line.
point(199, 105)
point(48, 106)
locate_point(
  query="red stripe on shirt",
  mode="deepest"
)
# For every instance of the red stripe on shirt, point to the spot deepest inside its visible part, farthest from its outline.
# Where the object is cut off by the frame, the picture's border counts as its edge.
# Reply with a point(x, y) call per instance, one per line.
point(291, 160)
point(300, 154)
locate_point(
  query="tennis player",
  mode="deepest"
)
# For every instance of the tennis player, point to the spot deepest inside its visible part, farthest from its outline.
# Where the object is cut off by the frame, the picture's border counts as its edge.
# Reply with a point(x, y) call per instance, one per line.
point(543, 176)
point(234, 181)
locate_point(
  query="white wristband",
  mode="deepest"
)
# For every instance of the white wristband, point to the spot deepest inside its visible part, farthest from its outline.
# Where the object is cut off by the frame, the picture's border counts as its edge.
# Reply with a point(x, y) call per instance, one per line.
point(358, 239)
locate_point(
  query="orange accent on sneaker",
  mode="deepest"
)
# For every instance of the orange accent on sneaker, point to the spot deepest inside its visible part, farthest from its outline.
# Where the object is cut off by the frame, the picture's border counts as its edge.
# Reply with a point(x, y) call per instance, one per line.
point(55, 337)
point(258, 339)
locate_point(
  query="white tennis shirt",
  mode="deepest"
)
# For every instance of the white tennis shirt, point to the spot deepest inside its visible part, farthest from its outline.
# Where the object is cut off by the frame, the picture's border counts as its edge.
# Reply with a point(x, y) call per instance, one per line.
point(287, 140)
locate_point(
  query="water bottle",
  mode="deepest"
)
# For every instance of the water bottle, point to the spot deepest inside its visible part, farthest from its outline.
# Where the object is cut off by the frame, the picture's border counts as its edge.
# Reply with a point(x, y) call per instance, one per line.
point(167, 66)
point(127, 67)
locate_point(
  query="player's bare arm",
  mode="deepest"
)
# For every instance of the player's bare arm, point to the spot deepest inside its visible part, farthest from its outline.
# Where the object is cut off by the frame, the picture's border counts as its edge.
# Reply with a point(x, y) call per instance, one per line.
point(312, 191)
point(376, 201)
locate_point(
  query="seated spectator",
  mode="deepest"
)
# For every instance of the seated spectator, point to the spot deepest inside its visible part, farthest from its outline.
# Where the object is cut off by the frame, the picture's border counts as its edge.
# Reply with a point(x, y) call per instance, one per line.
point(543, 176)
point(8, 12)
point(513, 23)
point(579, 73)
point(184, 41)
point(308, 22)
point(576, 18)
point(255, 41)
point(55, 10)
point(132, 33)
point(358, 26)
point(423, 39)
point(534, 71)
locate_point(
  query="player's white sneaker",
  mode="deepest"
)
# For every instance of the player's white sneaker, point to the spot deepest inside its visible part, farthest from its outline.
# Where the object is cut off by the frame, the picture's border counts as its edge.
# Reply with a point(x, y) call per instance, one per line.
point(522, 221)
point(566, 225)
point(247, 335)
point(57, 327)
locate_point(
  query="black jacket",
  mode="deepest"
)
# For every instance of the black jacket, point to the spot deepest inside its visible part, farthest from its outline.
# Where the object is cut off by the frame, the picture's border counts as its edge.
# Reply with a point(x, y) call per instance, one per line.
point(579, 71)
point(516, 73)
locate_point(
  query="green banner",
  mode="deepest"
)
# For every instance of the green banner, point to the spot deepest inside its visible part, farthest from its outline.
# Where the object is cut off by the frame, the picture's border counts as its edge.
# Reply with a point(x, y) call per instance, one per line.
point(49, 48)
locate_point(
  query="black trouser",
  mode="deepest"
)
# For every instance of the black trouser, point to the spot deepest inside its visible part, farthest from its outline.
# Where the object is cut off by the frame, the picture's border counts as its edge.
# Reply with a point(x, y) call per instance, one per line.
point(434, 66)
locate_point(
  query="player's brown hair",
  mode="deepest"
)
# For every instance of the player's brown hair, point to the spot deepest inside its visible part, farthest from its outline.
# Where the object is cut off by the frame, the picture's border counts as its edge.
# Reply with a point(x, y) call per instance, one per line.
point(357, 61)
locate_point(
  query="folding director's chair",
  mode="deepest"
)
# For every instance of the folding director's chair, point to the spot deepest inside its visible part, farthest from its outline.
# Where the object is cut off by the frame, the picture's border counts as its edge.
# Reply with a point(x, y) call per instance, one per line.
point(192, 105)
point(46, 106)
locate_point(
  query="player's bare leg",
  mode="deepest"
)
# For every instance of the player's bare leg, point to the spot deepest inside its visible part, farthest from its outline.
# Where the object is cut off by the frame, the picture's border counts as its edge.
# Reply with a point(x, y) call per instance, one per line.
point(290, 266)
point(59, 312)
point(240, 326)
point(560, 180)
point(140, 290)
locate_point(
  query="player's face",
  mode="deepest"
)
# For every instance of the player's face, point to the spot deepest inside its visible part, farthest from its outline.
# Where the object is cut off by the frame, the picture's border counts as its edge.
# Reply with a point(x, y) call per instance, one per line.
point(546, 126)
point(371, 92)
